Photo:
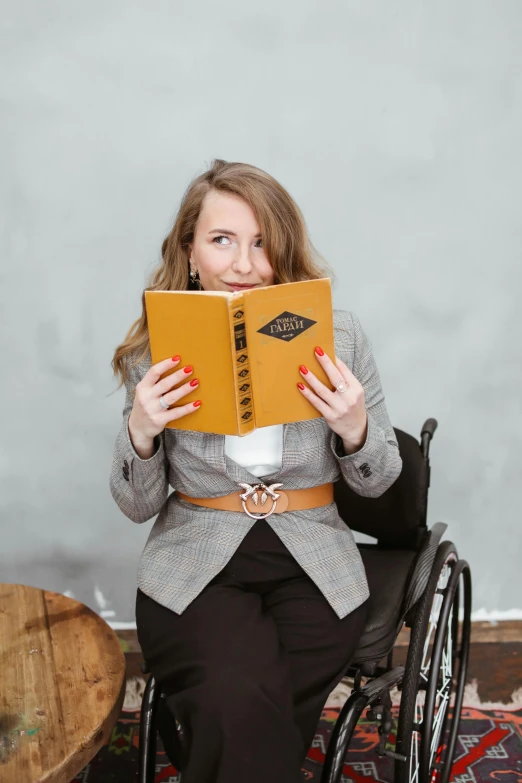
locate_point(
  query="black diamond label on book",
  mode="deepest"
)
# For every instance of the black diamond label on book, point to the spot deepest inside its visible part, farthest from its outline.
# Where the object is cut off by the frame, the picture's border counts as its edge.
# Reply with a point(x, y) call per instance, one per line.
point(245, 400)
point(246, 415)
point(242, 358)
point(287, 326)
point(245, 387)
point(238, 314)
point(243, 373)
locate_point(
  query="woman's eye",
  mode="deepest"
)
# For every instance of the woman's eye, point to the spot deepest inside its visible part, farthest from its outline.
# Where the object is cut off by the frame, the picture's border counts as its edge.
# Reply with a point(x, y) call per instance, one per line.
point(218, 241)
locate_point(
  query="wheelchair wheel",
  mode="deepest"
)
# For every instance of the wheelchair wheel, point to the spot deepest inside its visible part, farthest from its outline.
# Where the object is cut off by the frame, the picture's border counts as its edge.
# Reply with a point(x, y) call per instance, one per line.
point(435, 673)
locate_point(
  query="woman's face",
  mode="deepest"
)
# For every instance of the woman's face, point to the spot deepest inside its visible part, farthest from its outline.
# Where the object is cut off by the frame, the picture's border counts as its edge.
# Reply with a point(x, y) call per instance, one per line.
point(227, 250)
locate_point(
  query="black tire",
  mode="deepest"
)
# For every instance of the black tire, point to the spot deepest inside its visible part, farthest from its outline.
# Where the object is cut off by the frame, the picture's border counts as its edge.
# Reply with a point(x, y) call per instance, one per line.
point(147, 741)
point(427, 738)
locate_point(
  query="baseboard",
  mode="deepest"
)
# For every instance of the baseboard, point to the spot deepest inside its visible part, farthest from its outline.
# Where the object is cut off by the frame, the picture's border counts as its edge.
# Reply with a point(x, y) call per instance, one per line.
point(481, 633)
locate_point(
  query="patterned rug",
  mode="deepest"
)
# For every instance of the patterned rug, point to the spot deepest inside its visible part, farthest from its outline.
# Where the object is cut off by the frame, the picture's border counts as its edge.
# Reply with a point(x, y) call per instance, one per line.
point(489, 749)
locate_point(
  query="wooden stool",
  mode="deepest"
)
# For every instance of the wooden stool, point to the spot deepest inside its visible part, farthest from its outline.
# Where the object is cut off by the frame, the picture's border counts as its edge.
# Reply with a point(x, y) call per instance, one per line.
point(62, 684)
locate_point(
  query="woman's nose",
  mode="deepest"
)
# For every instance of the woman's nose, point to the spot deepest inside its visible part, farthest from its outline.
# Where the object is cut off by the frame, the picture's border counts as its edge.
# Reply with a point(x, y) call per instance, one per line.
point(242, 262)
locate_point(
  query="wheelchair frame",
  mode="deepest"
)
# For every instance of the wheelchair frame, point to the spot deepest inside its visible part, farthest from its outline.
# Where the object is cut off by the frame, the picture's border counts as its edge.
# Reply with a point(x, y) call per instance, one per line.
point(437, 609)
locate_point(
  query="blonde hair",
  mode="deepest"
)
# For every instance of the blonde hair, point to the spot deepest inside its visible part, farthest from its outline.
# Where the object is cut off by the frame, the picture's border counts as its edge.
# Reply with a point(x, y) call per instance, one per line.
point(285, 240)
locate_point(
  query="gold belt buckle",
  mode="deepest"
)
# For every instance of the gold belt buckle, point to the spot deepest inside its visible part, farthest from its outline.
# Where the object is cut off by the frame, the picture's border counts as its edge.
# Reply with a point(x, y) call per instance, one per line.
point(252, 493)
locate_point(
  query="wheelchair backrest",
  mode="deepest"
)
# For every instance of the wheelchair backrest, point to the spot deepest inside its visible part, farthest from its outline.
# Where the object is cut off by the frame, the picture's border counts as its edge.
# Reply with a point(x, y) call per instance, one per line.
point(397, 519)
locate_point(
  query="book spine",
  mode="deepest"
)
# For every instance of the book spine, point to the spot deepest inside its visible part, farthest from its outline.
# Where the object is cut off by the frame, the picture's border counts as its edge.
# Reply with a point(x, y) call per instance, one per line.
point(241, 366)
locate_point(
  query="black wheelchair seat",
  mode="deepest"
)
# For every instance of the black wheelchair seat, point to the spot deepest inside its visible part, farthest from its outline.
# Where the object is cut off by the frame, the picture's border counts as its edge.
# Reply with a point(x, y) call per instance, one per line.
point(388, 573)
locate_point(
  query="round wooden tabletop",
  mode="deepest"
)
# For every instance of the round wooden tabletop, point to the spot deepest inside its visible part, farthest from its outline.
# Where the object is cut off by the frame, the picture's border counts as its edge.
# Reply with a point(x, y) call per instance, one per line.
point(62, 684)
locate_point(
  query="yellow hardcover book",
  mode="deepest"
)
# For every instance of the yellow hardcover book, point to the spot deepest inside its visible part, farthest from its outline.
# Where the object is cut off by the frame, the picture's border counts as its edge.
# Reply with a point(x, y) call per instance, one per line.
point(245, 349)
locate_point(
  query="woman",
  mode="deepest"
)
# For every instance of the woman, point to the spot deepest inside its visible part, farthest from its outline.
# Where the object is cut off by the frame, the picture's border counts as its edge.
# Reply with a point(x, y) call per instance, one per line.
point(248, 624)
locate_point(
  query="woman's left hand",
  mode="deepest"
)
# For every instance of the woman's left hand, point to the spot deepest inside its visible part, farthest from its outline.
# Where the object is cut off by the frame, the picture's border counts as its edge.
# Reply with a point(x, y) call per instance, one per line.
point(344, 408)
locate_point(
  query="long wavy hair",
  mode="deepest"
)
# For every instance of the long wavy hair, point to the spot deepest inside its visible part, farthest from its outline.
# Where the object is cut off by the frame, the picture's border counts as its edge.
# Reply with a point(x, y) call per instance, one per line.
point(285, 240)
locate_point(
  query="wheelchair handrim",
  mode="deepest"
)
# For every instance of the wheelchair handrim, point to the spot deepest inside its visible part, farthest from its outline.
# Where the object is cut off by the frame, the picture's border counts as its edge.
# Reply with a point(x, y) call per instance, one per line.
point(442, 674)
point(444, 692)
point(414, 721)
point(441, 765)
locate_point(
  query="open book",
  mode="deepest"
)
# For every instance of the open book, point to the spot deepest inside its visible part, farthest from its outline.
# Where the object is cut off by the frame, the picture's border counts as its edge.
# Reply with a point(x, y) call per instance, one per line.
point(246, 348)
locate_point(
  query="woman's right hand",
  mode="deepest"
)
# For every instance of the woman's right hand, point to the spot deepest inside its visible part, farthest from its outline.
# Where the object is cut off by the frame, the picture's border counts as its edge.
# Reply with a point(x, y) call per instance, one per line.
point(148, 418)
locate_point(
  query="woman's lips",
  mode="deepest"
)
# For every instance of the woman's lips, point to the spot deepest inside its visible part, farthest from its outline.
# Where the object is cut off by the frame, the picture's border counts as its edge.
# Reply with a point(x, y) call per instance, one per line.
point(240, 286)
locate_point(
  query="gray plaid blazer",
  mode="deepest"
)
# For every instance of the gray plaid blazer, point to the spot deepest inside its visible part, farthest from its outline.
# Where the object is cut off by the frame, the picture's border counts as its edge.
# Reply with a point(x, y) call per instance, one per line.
point(188, 544)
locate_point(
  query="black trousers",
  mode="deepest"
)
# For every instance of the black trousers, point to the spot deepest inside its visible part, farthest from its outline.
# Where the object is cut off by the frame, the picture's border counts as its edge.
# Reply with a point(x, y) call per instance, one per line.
point(249, 664)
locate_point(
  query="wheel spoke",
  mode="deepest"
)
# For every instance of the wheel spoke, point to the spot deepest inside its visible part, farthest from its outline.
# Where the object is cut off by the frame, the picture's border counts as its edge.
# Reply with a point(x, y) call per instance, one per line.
point(437, 725)
point(445, 686)
point(414, 757)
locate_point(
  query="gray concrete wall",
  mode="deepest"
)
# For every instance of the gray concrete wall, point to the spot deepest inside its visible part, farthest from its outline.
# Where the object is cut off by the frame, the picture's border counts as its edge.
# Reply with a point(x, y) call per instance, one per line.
point(397, 128)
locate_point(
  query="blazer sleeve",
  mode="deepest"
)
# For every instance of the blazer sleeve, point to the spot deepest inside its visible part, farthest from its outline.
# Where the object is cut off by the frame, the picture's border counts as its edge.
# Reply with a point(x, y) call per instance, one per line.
point(373, 469)
point(139, 486)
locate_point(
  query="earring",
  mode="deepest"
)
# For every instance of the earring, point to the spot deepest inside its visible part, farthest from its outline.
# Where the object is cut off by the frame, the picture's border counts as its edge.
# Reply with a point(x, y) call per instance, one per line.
point(194, 278)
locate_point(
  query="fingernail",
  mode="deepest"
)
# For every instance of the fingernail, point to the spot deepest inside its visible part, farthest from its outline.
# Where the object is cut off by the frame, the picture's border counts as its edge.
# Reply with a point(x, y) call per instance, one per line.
point(301, 386)
point(319, 351)
point(194, 382)
point(187, 369)
point(303, 369)
point(196, 404)
point(176, 358)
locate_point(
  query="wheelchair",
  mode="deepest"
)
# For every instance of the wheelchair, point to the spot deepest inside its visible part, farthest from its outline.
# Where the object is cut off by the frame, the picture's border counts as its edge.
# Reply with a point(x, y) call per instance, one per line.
point(417, 581)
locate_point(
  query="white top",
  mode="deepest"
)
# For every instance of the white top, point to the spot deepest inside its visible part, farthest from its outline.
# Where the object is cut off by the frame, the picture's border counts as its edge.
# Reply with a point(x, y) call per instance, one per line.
point(260, 452)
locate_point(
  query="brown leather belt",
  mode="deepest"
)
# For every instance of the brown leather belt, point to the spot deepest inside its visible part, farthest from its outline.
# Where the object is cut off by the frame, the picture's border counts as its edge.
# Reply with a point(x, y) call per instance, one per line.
point(259, 501)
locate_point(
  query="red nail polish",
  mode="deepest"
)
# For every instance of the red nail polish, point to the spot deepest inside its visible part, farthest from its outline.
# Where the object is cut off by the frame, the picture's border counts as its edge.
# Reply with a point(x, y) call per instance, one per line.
point(301, 386)
point(304, 369)
point(176, 358)
point(194, 382)
point(319, 351)
point(197, 403)
point(187, 369)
